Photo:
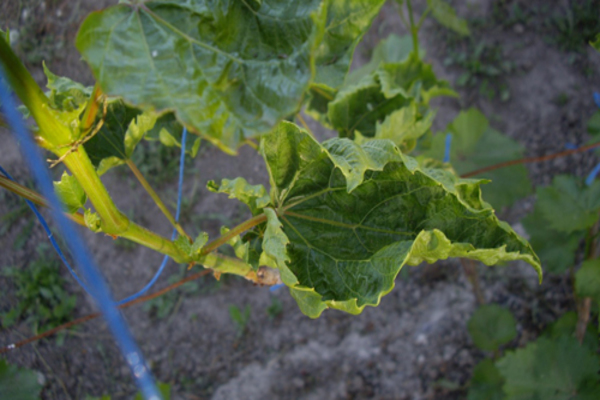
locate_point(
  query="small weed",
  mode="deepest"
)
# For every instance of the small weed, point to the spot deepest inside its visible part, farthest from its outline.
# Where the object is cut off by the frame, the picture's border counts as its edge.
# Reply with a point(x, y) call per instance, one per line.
point(484, 65)
point(42, 300)
point(240, 318)
point(561, 100)
point(275, 309)
point(576, 25)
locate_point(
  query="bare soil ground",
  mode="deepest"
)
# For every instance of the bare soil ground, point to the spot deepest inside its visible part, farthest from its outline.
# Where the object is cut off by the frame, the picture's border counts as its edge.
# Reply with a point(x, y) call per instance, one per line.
point(405, 349)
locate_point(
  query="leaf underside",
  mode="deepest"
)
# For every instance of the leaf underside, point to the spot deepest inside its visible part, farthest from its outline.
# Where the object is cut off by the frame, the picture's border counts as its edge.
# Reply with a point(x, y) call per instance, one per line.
point(354, 215)
point(228, 69)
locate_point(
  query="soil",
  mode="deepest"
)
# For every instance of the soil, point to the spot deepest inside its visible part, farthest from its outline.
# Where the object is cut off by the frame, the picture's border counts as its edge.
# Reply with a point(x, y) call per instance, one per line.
point(413, 346)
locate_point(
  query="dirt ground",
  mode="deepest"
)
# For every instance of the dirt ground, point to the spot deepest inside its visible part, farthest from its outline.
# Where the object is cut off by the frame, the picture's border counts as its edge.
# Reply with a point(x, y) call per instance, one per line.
point(410, 347)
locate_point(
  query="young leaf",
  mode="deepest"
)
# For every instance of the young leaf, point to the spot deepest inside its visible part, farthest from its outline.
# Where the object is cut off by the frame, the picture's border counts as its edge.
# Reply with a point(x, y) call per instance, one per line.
point(354, 215)
point(66, 94)
point(555, 249)
point(18, 383)
point(274, 245)
point(568, 205)
point(393, 49)
point(596, 43)
point(254, 196)
point(92, 221)
point(70, 192)
point(446, 16)
point(486, 382)
point(545, 369)
point(176, 57)
point(492, 326)
point(475, 145)
point(346, 23)
point(391, 87)
point(587, 280)
point(194, 249)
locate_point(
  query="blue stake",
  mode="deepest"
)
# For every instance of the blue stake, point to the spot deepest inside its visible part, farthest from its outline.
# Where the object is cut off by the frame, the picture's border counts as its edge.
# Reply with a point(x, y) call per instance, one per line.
point(98, 287)
point(448, 147)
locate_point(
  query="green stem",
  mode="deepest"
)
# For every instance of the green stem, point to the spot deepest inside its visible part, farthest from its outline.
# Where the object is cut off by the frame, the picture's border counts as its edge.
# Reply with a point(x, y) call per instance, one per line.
point(422, 19)
point(414, 30)
point(244, 226)
point(35, 198)
point(114, 222)
point(162, 206)
point(52, 132)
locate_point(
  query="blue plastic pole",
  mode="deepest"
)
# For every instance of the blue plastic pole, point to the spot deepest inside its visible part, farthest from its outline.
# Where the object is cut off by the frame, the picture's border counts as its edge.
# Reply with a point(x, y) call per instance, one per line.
point(98, 287)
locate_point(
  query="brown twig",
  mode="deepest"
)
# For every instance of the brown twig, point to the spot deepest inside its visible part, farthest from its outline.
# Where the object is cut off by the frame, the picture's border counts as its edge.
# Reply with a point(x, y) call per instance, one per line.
point(529, 160)
point(89, 317)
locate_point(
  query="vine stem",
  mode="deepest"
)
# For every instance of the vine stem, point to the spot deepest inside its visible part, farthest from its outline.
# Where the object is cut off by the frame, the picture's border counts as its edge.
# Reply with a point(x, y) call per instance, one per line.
point(584, 305)
point(414, 29)
point(244, 226)
point(161, 205)
point(530, 160)
point(36, 198)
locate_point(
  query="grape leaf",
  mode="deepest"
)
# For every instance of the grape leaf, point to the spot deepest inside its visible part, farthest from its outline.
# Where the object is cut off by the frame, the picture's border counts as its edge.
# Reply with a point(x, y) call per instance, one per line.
point(566, 326)
point(393, 49)
point(555, 249)
point(228, 69)
point(391, 87)
point(18, 383)
point(551, 370)
point(446, 16)
point(486, 382)
point(169, 132)
point(593, 125)
point(492, 326)
point(587, 280)
point(403, 127)
point(347, 21)
point(65, 94)
point(254, 196)
point(568, 205)
point(70, 192)
point(596, 43)
point(122, 130)
point(475, 145)
point(354, 215)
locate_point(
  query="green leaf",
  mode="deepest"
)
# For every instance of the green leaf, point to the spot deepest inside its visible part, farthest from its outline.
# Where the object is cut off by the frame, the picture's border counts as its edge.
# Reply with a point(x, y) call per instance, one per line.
point(593, 126)
point(347, 22)
point(566, 326)
point(486, 382)
point(274, 245)
point(446, 16)
point(70, 193)
point(229, 70)
point(568, 205)
point(492, 326)
point(92, 221)
point(18, 383)
point(555, 249)
point(587, 280)
point(354, 215)
point(393, 49)
point(596, 43)
point(192, 250)
point(66, 94)
point(551, 370)
point(474, 146)
point(109, 142)
point(254, 196)
point(403, 127)
point(391, 87)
